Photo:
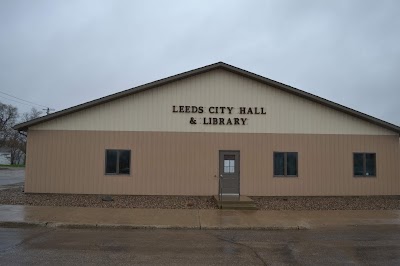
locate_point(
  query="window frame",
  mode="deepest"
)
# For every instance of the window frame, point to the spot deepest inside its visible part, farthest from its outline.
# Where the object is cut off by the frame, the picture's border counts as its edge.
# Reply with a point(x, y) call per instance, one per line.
point(285, 164)
point(364, 154)
point(117, 166)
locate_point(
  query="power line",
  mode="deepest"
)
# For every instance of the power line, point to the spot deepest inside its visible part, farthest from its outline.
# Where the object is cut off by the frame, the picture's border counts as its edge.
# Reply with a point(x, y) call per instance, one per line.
point(47, 109)
point(17, 101)
point(23, 100)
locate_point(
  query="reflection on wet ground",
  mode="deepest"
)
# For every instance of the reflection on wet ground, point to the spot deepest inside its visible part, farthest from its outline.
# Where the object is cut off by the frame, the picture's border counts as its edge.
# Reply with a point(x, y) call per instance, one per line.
point(11, 177)
point(372, 245)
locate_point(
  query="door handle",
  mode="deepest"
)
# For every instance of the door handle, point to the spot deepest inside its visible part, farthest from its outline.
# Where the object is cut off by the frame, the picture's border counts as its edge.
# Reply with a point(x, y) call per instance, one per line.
point(220, 175)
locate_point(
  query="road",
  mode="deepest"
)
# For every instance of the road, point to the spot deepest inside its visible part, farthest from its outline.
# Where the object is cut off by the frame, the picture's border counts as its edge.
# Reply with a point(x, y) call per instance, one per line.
point(373, 245)
point(11, 177)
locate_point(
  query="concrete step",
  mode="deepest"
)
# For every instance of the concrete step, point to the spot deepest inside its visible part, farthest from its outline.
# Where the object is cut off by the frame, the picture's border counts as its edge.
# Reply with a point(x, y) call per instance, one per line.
point(241, 199)
point(238, 207)
point(235, 203)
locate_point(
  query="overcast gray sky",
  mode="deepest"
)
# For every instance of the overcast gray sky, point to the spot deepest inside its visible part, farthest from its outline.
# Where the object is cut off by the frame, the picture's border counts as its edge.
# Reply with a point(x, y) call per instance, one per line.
point(63, 53)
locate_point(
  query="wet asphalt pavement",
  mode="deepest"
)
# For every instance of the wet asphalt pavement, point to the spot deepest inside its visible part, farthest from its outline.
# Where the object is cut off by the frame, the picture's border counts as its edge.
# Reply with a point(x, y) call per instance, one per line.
point(372, 245)
point(11, 177)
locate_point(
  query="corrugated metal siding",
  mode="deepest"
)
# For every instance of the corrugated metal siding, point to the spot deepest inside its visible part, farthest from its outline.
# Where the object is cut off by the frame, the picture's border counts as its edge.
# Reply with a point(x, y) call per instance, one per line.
point(166, 163)
point(151, 110)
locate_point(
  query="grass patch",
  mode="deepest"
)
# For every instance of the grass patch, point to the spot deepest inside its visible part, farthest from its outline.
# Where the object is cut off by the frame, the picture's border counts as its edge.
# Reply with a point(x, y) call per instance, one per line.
point(13, 165)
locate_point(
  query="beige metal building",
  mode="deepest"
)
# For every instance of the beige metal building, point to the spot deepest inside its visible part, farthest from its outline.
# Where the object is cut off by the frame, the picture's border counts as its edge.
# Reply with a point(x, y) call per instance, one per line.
point(213, 127)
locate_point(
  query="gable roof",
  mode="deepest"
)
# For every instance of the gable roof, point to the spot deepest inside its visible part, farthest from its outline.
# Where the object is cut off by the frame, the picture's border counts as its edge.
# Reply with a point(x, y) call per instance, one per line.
point(220, 65)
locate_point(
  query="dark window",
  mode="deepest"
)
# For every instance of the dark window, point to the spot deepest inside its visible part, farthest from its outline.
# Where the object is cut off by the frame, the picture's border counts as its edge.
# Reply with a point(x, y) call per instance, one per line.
point(279, 163)
point(111, 161)
point(358, 164)
point(285, 163)
point(364, 164)
point(291, 163)
point(118, 162)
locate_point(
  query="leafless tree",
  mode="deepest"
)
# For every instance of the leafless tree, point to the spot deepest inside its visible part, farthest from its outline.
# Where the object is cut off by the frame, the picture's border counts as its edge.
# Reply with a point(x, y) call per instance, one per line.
point(13, 140)
point(17, 145)
point(34, 113)
point(8, 118)
point(21, 137)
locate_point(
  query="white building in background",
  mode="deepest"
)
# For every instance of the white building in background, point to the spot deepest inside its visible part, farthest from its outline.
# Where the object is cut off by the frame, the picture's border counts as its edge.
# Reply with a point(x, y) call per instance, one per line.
point(5, 156)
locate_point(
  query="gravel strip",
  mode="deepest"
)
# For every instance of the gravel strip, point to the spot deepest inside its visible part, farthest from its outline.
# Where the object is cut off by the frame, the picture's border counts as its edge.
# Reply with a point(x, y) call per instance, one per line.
point(15, 196)
point(329, 203)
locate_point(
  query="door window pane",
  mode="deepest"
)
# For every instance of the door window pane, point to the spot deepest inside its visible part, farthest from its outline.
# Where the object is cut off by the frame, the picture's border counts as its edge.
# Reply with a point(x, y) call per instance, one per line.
point(232, 166)
point(229, 164)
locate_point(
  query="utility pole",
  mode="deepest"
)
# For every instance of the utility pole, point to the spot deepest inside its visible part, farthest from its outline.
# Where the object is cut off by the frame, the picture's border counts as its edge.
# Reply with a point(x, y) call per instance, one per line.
point(48, 109)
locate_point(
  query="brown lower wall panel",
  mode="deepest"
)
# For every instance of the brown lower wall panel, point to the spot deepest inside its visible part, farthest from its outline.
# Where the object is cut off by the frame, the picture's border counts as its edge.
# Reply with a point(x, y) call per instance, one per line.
point(168, 163)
